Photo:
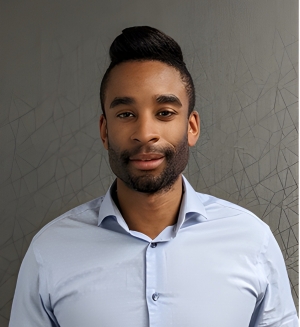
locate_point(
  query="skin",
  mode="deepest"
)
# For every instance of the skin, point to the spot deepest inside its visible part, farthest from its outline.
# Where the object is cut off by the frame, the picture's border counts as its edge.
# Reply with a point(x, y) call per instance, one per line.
point(143, 125)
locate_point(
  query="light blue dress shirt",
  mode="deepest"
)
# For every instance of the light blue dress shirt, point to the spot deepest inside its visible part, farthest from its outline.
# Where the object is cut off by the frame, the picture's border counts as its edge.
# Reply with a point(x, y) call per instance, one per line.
point(219, 266)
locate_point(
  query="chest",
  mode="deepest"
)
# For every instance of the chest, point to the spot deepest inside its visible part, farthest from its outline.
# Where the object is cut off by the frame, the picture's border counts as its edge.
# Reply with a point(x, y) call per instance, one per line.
point(190, 281)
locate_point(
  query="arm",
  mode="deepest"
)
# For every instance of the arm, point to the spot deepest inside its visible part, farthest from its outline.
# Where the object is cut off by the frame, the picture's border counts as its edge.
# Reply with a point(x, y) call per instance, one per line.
point(28, 308)
point(276, 308)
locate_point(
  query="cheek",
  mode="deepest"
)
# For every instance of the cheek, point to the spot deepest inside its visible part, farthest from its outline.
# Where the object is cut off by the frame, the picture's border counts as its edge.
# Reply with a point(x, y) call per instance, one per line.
point(176, 134)
point(113, 132)
point(116, 138)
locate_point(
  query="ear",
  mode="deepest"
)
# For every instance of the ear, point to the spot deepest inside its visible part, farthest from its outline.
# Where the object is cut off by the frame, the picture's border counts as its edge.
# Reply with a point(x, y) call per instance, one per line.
point(193, 128)
point(103, 131)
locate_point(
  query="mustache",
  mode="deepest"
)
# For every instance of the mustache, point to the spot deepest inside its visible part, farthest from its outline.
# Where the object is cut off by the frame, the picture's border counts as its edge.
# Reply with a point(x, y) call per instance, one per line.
point(166, 151)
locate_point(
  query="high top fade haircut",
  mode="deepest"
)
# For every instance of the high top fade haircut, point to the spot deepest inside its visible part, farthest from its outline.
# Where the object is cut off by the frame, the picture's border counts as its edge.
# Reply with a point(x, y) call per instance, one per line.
point(142, 43)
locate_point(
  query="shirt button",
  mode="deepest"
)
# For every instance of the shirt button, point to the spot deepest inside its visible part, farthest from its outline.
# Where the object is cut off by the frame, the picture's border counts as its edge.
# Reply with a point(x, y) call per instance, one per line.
point(155, 296)
point(153, 245)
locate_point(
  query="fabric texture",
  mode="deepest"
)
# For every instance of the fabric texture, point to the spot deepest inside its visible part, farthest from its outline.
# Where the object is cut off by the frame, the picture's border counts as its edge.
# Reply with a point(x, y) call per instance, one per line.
point(219, 265)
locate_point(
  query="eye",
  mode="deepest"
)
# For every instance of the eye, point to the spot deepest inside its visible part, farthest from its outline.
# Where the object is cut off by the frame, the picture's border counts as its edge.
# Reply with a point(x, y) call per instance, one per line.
point(125, 115)
point(166, 113)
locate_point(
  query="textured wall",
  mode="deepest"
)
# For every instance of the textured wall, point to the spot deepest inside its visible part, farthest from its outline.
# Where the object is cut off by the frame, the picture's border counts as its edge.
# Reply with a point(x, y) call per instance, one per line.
point(244, 60)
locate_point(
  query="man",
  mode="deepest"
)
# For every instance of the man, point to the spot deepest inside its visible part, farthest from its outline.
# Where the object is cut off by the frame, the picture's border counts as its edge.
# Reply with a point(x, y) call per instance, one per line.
point(152, 251)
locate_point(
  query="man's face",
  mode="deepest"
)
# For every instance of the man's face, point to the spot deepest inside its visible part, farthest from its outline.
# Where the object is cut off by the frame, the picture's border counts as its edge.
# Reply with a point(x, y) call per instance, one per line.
point(147, 128)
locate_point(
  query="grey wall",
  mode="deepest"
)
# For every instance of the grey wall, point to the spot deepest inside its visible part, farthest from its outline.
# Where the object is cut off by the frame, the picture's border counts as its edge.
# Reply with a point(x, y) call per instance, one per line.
point(244, 60)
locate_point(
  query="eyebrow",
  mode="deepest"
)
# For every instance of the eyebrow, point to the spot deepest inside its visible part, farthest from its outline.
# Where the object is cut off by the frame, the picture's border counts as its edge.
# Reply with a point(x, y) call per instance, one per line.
point(121, 100)
point(163, 98)
point(168, 98)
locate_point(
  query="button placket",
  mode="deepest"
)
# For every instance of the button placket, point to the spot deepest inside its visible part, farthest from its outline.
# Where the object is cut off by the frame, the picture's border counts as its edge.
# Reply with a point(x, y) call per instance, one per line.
point(152, 275)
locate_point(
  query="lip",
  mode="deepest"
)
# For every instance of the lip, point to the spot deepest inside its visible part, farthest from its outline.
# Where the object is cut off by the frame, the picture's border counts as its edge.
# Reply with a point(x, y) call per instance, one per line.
point(147, 162)
point(147, 156)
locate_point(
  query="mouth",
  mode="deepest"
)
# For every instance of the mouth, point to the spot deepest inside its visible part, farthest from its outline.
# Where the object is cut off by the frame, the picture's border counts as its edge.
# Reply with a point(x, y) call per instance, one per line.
point(146, 161)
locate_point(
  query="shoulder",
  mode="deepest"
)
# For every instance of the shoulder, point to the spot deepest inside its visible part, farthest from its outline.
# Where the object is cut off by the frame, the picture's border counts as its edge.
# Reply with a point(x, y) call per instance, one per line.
point(84, 215)
point(239, 217)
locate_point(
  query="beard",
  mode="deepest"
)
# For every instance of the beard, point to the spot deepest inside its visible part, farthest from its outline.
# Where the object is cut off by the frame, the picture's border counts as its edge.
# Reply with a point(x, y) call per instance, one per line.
point(176, 160)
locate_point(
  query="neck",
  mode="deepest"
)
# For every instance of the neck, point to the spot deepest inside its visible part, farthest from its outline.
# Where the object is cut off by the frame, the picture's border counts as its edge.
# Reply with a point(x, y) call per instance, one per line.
point(147, 213)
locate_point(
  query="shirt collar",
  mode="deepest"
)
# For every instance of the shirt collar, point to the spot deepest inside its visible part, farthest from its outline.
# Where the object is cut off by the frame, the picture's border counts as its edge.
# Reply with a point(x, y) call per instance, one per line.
point(191, 207)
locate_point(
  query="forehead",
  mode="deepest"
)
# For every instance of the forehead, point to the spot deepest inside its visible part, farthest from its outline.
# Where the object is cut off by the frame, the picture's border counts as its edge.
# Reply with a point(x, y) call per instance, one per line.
point(137, 78)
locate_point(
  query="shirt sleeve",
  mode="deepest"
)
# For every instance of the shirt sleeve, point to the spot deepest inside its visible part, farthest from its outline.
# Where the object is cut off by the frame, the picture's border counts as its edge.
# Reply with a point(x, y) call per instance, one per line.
point(28, 308)
point(276, 307)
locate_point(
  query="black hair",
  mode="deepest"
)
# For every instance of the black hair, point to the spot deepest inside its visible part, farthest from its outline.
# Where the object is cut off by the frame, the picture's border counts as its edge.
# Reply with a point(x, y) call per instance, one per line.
point(142, 43)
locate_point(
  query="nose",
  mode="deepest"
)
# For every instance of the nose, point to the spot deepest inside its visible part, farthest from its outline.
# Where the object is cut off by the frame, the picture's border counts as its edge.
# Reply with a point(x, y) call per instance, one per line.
point(145, 131)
